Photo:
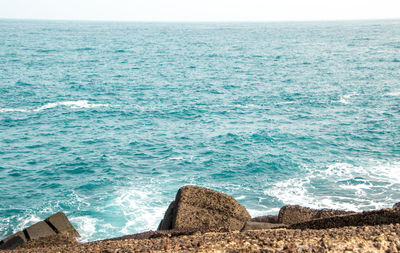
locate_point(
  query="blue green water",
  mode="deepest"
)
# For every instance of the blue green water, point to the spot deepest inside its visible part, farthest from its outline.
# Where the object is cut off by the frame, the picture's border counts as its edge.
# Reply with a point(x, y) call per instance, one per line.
point(105, 121)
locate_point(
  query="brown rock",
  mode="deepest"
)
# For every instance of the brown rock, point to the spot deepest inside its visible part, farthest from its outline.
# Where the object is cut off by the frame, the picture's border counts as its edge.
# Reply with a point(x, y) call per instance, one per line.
point(397, 205)
point(254, 225)
point(267, 218)
point(292, 214)
point(202, 209)
point(166, 223)
point(370, 218)
point(50, 241)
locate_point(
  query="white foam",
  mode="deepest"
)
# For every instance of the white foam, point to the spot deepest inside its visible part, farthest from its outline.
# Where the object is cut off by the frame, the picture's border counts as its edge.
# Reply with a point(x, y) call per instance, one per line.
point(176, 158)
point(139, 209)
point(24, 222)
point(184, 158)
point(393, 93)
point(71, 104)
point(292, 191)
point(12, 110)
point(352, 187)
point(85, 225)
point(345, 98)
point(256, 213)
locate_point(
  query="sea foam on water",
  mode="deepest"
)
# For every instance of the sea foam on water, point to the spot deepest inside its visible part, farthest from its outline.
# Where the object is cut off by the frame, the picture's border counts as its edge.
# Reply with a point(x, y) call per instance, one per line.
point(106, 121)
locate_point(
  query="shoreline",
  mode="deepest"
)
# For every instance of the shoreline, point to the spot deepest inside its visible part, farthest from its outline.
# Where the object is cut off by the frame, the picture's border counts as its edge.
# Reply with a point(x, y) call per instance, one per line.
point(203, 220)
point(379, 238)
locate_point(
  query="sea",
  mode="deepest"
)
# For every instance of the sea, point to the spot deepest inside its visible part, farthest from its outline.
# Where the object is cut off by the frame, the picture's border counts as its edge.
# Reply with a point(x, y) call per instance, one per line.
point(105, 121)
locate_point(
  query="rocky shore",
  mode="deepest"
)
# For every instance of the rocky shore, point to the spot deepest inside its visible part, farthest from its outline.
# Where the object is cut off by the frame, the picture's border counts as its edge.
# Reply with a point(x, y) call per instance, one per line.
point(203, 220)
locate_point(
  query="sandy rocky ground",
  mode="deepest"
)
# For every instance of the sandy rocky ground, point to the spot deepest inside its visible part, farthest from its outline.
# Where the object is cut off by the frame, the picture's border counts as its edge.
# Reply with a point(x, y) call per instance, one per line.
point(380, 238)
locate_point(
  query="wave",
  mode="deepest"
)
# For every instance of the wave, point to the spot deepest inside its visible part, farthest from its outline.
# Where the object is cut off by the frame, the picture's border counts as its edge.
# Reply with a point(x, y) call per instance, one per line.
point(84, 49)
point(393, 94)
point(342, 186)
point(70, 104)
point(86, 227)
point(13, 110)
point(129, 210)
point(345, 98)
point(140, 213)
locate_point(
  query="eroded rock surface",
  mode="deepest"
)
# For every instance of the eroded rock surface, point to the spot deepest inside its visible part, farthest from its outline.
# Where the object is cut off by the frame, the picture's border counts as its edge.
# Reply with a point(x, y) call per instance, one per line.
point(267, 218)
point(254, 225)
point(366, 218)
point(292, 214)
point(201, 209)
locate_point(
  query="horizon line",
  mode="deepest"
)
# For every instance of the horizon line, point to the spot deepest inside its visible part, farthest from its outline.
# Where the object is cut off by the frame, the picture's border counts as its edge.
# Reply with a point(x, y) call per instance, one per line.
point(203, 21)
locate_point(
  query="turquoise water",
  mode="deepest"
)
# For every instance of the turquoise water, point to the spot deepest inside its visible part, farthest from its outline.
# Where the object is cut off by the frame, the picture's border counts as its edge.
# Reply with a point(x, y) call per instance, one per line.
point(105, 121)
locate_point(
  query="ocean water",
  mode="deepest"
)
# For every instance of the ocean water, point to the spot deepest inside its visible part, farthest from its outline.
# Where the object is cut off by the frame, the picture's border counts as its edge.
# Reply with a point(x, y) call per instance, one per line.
point(105, 121)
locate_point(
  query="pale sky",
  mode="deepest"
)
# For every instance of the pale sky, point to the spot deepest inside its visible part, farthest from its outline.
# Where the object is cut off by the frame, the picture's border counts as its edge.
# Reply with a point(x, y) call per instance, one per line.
point(201, 10)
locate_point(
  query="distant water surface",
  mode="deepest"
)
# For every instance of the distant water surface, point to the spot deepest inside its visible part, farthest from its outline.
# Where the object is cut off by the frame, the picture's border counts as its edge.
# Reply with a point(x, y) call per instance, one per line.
point(105, 121)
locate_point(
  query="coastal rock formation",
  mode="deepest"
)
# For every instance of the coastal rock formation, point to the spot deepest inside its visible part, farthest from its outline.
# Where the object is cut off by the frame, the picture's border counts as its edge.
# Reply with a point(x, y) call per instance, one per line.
point(254, 225)
point(50, 227)
point(201, 209)
point(366, 218)
point(292, 214)
point(397, 205)
point(267, 218)
point(380, 238)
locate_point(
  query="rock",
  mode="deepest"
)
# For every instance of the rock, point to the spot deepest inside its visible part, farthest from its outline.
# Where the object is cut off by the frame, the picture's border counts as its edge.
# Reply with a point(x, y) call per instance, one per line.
point(292, 214)
point(62, 225)
point(201, 209)
point(367, 218)
point(267, 218)
point(13, 241)
point(254, 225)
point(40, 229)
point(397, 205)
point(50, 241)
point(166, 223)
point(53, 225)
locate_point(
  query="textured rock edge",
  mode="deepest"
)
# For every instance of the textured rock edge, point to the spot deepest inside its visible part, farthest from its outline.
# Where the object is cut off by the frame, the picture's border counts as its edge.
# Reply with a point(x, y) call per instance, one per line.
point(54, 225)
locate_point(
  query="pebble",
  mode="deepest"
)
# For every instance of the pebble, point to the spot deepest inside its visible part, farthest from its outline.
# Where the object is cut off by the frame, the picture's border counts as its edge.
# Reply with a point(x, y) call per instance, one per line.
point(383, 238)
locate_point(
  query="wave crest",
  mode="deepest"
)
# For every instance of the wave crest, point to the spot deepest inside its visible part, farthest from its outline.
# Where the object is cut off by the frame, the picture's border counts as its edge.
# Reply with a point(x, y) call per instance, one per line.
point(71, 104)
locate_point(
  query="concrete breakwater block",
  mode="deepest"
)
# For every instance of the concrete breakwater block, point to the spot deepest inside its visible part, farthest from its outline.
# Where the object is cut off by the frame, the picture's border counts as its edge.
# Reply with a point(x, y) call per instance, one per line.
point(62, 225)
point(292, 214)
point(201, 209)
point(13, 241)
point(53, 225)
point(397, 205)
point(40, 229)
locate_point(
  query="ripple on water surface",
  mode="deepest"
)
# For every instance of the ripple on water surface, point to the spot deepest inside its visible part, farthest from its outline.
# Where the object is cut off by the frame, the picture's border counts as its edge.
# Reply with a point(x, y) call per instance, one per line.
point(105, 121)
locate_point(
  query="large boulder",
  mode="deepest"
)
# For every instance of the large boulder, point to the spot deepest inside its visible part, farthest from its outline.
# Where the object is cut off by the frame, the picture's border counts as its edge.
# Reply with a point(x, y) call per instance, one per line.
point(292, 214)
point(201, 209)
point(397, 205)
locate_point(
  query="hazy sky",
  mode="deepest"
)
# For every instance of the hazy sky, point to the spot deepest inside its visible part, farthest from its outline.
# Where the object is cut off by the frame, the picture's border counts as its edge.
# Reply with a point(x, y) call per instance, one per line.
point(200, 10)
